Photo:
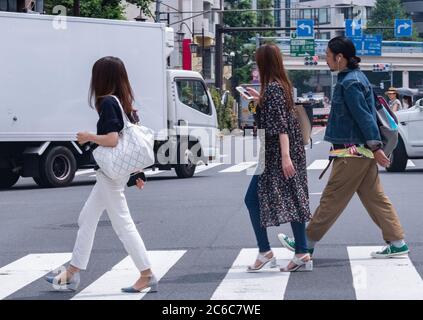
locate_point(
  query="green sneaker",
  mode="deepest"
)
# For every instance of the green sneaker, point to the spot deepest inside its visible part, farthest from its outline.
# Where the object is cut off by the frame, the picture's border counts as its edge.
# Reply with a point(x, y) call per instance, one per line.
point(390, 251)
point(289, 243)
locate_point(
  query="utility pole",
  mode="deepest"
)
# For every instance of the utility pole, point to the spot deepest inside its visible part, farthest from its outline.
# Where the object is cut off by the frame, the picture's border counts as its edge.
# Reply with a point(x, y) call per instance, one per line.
point(157, 13)
point(392, 75)
point(219, 57)
point(202, 51)
point(76, 8)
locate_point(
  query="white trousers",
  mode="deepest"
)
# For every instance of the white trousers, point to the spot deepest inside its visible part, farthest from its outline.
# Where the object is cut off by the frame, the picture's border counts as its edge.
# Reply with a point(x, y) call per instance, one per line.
point(108, 195)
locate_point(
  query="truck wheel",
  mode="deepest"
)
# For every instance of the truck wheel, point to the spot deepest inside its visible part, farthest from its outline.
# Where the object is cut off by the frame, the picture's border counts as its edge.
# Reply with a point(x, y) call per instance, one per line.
point(398, 158)
point(57, 168)
point(185, 168)
point(8, 178)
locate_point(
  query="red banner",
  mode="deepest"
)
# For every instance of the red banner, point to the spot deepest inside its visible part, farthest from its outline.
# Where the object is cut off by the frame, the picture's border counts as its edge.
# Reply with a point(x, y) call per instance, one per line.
point(186, 55)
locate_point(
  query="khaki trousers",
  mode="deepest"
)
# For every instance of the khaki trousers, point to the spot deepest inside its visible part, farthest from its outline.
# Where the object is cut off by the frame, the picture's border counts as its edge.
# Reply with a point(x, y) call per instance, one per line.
point(348, 176)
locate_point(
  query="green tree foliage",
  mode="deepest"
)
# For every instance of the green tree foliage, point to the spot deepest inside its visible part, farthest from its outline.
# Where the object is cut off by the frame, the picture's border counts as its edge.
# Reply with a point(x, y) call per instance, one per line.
point(144, 6)
point(265, 18)
point(225, 118)
point(242, 43)
point(236, 43)
point(107, 9)
point(384, 15)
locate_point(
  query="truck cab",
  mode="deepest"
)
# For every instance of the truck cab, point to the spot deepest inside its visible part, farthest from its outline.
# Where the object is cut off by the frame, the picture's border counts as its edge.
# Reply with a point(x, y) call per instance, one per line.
point(192, 123)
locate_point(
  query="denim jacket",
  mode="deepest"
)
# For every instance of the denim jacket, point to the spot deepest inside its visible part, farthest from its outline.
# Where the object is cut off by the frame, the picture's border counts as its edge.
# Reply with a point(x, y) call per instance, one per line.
point(352, 118)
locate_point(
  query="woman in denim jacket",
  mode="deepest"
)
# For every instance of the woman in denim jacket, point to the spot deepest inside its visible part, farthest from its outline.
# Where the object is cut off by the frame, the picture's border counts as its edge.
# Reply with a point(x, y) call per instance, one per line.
point(353, 131)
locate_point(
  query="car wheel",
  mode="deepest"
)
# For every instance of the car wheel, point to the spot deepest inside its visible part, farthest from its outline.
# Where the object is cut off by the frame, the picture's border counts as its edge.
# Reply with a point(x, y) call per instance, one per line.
point(57, 168)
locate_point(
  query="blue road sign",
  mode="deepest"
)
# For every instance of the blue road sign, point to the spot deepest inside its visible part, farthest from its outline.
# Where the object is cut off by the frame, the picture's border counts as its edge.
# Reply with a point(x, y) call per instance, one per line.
point(372, 45)
point(403, 28)
point(358, 43)
point(353, 28)
point(368, 45)
point(305, 28)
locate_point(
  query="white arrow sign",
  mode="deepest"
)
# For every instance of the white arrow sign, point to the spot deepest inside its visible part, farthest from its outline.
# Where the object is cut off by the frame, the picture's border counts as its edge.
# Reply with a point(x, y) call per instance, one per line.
point(404, 26)
point(303, 26)
point(355, 26)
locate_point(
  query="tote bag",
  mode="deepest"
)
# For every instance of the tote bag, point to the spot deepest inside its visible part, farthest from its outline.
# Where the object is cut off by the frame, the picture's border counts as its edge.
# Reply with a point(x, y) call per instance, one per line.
point(134, 151)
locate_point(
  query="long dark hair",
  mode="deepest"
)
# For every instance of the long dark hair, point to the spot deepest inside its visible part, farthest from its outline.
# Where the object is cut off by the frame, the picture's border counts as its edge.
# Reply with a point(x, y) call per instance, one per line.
point(270, 64)
point(346, 47)
point(109, 77)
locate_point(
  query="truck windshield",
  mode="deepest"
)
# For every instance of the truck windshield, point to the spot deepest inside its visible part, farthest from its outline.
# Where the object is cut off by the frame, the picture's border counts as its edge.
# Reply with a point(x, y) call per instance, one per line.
point(193, 94)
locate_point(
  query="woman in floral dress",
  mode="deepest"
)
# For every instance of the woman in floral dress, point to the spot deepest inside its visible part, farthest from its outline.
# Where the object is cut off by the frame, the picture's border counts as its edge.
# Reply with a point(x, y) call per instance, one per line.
point(278, 192)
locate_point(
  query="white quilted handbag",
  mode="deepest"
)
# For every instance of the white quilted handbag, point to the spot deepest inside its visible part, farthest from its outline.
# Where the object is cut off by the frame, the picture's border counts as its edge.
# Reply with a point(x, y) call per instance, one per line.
point(134, 151)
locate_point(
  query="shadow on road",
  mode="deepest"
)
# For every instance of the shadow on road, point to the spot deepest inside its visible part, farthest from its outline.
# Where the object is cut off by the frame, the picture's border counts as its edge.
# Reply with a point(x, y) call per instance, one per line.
point(408, 171)
point(88, 183)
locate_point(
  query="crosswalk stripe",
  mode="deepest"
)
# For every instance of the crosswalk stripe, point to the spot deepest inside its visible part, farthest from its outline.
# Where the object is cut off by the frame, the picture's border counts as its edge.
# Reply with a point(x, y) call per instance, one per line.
point(318, 165)
point(153, 173)
point(209, 166)
point(317, 130)
point(321, 164)
point(383, 279)
point(108, 286)
point(239, 167)
point(26, 270)
point(267, 284)
point(147, 173)
point(82, 172)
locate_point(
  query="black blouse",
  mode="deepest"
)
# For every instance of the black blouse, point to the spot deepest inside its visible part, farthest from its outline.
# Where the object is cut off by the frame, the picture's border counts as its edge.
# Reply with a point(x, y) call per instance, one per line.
point(111, 116)
point(110, 119)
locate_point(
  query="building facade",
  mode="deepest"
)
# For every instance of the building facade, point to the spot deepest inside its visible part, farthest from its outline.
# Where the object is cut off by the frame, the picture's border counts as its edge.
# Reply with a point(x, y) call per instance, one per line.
point(194, 22)
point(415, 9)
point(325, 13)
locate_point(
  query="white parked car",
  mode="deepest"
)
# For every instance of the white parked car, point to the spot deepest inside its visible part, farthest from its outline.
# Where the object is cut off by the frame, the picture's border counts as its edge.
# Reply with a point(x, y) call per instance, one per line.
point(410, 144)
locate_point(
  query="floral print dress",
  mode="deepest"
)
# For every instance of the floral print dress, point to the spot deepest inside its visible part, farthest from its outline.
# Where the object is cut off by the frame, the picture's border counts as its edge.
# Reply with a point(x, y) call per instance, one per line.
point(281, 200)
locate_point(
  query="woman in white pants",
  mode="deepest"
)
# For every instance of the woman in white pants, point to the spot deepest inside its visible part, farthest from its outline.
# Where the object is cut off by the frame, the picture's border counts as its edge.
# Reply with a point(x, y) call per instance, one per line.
point(109, 77)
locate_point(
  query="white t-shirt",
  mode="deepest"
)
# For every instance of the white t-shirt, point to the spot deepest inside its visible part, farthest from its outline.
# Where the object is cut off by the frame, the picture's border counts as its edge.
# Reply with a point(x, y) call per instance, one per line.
point(393, 102)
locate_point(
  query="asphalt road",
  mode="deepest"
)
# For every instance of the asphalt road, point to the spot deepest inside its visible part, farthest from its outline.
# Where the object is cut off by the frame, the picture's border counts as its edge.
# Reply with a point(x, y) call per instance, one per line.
point(201, 239)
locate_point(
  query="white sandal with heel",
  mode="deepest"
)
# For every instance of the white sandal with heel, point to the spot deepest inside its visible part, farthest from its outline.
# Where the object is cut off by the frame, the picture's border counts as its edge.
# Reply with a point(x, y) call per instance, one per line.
point(264, 261)
point(300, 264)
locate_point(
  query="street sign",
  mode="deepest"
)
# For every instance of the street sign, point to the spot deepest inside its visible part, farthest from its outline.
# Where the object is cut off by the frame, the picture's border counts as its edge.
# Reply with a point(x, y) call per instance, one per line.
point(403, 28)
point(368, 45)
point(372, 45)
point(302, 47)
point(305, 28)
point(353, 28)
point(358, 43)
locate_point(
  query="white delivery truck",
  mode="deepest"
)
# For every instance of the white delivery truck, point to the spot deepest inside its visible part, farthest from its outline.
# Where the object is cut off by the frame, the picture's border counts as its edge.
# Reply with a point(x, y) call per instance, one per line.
point(45, 72)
